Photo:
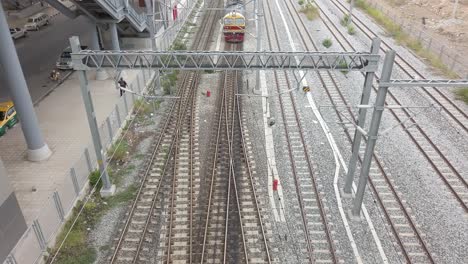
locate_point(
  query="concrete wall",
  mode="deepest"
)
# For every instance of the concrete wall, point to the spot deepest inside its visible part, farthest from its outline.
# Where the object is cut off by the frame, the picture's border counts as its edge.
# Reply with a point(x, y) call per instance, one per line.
point(12, 223)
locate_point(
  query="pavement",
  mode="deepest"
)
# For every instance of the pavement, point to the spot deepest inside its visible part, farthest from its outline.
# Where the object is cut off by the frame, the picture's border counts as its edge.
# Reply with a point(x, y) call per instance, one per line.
point(63, 122)
point(39, 51)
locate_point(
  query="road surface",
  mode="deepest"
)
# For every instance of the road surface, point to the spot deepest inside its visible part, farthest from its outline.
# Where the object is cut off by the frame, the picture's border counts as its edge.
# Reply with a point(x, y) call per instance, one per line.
point(39, 51)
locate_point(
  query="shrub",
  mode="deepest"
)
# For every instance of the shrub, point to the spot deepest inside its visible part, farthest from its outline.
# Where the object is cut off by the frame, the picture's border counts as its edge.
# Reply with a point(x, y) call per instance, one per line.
point(462, 94)
point(94, 177)
point(310, 11)
point(345, 20)
point(143, 107)
point(351, 29)
point(301, 2)
point(343, 63)
point(119, 150)
point(178, 45)
point(327, 43)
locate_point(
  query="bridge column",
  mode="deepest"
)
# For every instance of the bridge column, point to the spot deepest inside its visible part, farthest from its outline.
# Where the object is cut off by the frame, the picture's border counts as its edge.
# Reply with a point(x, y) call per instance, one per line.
point(100, 73)
point(114, 36)
point(13, 74)
point(12, 223)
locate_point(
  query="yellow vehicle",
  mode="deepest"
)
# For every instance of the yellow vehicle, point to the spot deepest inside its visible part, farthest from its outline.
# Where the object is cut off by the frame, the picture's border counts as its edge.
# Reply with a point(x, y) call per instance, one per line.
point(8, 117)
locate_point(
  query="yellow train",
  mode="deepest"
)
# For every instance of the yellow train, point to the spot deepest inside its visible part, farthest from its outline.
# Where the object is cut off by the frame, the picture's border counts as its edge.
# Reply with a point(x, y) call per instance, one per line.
point(234, 23)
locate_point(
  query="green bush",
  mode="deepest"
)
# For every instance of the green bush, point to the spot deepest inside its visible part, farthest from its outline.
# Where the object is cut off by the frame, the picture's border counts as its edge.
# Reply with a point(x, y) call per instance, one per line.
point(327, 43)
point(94, 178)
point(351, 29)
point(75, 249)
point(300, 2)
point(462, 94)
point(345, 20)
point(344, 64)
point(119, 150)
point(143, 107)
point(310, 11)
point(178, 45)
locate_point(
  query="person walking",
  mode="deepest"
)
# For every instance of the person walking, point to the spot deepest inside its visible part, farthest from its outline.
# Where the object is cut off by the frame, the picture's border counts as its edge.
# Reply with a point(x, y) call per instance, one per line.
point(122, 84)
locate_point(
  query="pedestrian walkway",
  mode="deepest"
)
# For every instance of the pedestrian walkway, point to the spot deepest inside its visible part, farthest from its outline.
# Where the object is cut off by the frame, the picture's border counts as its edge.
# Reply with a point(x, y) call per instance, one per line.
point(64, 124)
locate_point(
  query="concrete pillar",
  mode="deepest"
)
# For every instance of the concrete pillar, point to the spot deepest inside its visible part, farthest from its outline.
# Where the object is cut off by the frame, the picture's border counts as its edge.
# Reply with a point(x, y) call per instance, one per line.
point(13, 74)
point(114, 36)
point(100, 73)
point(12, 223)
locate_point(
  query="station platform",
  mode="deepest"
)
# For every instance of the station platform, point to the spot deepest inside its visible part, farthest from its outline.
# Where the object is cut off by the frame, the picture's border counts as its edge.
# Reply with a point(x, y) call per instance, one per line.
point(63, 122)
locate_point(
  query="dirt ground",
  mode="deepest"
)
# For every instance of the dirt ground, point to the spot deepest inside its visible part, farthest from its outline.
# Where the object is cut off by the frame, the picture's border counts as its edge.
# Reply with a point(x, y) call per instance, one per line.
point(438, 14)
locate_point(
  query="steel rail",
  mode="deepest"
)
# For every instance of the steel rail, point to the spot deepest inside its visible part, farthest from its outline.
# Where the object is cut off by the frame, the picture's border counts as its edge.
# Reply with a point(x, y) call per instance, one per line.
point(172, 151)
point(231, 79)
point(181, 119)
point(457, 174)
point(306, 153)
point(249, 170)
point(410, 221)
point(212, 182)
point(146, 173)
point(200, 40)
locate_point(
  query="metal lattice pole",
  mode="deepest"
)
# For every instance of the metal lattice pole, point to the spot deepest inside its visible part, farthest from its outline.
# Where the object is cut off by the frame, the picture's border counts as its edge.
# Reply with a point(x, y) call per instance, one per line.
point(361, 121)
point(373, 131)
point(108, 188)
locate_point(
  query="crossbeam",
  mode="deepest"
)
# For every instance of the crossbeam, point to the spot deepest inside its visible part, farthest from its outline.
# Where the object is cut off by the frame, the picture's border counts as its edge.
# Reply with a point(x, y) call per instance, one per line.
point(221, 60)
point(425, 83)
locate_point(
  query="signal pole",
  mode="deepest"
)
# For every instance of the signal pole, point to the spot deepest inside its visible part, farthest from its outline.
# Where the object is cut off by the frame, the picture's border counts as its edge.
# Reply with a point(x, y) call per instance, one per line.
point(258, 6)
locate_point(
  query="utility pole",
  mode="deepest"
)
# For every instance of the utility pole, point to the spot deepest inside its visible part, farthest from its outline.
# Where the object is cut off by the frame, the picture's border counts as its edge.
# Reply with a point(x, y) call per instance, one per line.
point(351, 5)
point(258, 7)
point(14, 77)
point(361, 121)
point(108, 188)
point(373, 132)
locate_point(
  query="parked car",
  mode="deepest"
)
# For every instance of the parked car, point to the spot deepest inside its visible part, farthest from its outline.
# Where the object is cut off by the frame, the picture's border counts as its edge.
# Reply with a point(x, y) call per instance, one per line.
point(17, 33)
point(64, 62)
point(8, 117)
point(37, 21)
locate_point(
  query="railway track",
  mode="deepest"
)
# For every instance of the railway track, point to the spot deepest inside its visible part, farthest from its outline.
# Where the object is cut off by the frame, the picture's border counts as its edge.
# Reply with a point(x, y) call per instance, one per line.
point(408, 237)
point(437, 96)
point(451, 177)
point(167, 197)
point(318, 241)
point(235, 229)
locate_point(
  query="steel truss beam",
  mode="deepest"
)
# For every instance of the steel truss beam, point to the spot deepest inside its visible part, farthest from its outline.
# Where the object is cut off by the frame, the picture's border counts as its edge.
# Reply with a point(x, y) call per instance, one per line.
point(423, 83)
point(219, 60)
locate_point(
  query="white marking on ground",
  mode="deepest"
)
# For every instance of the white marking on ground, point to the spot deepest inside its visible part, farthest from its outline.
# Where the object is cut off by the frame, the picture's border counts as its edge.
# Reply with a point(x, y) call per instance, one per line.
point(270, 152)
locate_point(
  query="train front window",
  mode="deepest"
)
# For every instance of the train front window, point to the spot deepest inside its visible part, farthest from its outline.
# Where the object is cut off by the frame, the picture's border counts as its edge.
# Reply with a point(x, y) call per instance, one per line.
point(240, 21)
point(228, 21)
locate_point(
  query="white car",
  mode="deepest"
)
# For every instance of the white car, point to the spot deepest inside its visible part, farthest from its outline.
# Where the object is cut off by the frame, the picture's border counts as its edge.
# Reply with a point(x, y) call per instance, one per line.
point(64, 62)
point(17, 33)
point(37, 21)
